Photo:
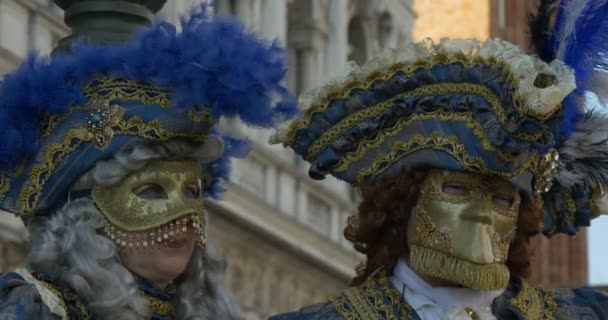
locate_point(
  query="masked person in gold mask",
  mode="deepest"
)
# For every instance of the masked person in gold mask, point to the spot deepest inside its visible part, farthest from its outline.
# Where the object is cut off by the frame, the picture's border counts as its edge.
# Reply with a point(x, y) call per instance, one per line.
point(463, 151)
point(109, 152)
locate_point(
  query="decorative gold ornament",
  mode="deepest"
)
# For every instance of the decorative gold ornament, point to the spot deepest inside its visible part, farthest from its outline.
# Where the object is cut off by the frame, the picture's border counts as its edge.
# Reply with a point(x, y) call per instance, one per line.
point(546, 173)
point(100, 122)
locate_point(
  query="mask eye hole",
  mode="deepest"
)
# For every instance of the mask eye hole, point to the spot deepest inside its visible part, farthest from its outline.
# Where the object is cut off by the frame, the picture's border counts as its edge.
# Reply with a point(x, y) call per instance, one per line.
point(150, 191)
point(503, 200)
point(456, 189)
point(192, 191)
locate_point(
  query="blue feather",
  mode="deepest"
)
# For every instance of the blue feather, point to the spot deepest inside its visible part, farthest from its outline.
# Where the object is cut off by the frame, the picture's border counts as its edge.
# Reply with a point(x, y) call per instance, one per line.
point(220, 169)
point(212, 61)
point(580, 39)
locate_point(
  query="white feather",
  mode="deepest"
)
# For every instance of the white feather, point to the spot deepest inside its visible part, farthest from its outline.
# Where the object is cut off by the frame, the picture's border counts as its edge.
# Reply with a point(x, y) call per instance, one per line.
point(572, 10)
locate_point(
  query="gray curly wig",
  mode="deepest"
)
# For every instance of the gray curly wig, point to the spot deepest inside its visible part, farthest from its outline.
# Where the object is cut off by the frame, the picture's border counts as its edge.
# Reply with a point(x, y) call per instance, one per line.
point(70, 246)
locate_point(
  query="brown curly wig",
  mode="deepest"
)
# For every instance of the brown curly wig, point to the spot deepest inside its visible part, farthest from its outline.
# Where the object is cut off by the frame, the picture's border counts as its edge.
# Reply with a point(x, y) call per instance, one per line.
point(379, 231)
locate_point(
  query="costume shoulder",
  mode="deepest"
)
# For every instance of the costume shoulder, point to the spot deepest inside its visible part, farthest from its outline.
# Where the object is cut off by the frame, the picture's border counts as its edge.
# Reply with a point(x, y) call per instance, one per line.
point(522, 301)
point(580, 303)
point(20, 300)
point(321, 311)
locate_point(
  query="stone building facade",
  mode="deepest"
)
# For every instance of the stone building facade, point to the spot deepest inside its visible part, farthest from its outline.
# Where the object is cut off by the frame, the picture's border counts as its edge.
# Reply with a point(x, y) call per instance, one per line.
point(280, 231)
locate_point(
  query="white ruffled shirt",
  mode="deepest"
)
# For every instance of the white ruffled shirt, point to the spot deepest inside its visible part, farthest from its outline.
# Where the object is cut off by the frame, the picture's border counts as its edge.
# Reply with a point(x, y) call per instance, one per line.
point(441, 303)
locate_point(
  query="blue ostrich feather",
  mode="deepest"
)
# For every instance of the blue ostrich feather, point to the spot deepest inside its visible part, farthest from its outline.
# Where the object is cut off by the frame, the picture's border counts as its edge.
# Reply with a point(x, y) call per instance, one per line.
point(212, 61)
point(580, 39)
point(234, 148)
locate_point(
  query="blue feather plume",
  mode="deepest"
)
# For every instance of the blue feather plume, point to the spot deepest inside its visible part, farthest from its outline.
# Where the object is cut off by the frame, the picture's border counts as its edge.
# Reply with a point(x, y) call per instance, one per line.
point(580, 39)
point(234, 148)
point(211, 61)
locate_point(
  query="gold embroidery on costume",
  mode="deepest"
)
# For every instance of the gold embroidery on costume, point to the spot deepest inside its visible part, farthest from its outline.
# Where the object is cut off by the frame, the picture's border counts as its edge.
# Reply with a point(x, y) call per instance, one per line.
point(533, 304)
point(107, 88)
point(443, 88)
point(161, 307)
point(450, 145)
point(5, 184)
point(431, 236)
point(84, 312)
point(374, 299)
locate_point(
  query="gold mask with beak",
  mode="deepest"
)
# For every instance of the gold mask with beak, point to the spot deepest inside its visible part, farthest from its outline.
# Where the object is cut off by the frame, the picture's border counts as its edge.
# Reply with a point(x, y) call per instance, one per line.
point(154, 204)
point(464, 226)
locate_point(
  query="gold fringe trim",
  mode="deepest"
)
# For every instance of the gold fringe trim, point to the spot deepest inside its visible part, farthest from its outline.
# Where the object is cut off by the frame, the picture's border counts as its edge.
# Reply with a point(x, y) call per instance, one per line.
point(433, 263)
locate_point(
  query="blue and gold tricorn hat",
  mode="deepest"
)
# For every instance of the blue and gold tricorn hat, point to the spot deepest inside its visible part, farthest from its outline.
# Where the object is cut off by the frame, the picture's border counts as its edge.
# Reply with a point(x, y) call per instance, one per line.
point(465, 105)
point(60, 115)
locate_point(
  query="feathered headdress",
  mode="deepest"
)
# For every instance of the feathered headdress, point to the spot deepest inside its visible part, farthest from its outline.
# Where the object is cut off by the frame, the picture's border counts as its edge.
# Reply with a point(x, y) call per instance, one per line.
point(60, 115)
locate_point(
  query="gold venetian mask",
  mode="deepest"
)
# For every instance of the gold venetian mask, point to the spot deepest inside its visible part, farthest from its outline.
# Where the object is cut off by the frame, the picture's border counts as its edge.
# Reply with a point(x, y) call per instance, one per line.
point(154, 203)
point(464, 225)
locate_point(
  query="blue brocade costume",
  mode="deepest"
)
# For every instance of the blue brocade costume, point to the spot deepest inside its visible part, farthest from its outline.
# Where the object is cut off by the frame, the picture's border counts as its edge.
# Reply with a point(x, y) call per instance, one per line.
point(377, 299)
point(20, 299)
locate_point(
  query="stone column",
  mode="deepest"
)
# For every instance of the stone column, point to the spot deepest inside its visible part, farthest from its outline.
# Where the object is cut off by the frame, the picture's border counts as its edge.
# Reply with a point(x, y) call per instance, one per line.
point(274, 19)
point(243, 11)
point(337, 44)
point(308, 70)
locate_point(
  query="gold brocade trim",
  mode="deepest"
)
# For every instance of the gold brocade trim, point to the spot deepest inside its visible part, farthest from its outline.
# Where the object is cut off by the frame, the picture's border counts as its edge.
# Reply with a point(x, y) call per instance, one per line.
point(84, 312)
point(450, 145)
point(161, 307)
point(374, 299)
point(492, 276)
point(5, 183)
point(109, 89)
point(74, 138)
point(408, 69)
point(570, 204)
point(440, 88)
point(366, 144)
point(50, 121)
point(428, 233)
point(532, 304)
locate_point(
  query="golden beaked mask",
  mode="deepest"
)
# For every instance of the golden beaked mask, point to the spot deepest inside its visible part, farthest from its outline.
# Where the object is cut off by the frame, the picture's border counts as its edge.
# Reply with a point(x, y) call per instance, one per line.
point(464, 225)
point(154, 204)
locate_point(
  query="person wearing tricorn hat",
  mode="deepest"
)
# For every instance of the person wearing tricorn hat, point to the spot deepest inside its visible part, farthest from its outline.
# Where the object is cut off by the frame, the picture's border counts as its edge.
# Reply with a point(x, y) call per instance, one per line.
point(463, 151)
point(109, 150)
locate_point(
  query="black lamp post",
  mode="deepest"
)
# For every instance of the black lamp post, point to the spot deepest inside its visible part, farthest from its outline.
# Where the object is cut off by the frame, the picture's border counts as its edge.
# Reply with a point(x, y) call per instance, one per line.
point(105, 21)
